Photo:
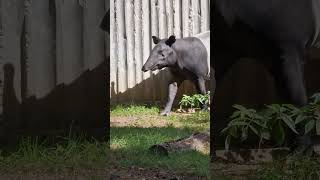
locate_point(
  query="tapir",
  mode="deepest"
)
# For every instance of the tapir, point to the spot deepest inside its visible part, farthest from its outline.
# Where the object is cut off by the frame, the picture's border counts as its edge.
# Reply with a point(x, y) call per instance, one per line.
point(186, 59)
point(277, 33)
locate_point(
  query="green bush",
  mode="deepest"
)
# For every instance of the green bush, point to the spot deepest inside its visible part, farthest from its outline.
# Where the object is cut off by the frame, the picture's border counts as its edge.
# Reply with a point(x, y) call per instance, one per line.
point(274, 121)
point(194, 101)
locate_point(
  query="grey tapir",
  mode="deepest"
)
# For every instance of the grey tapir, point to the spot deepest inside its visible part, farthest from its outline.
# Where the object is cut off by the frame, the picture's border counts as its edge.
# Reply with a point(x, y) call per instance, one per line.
point(277, 33)
point(187, 59)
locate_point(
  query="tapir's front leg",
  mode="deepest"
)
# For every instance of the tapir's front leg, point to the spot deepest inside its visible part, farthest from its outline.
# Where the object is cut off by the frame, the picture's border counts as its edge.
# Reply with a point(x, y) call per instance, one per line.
point(172, 91)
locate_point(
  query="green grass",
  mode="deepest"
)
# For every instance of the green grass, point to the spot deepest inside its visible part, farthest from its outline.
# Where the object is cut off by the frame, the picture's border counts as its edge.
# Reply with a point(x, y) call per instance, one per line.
point(131, 110)
point(75, 154)
point(129, 145)
point(300, 168)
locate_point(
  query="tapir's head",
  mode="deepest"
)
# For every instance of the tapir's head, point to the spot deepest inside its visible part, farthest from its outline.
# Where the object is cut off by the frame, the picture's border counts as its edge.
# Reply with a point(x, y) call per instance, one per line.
point(162, 55)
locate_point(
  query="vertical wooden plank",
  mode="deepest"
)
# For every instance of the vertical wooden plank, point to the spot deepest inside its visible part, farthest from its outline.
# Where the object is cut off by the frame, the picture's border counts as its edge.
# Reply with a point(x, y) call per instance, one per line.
point(70, 60)
point(129, 18)
point(12, 30)
point(154, 32)
point(138, 41)
point(69, 37)
point(95, 82)
point(146, 45)
point(13, 19)
point(205, 15)
point(146, 37)
point(154, 19)
point(93, 36)
point(113, 54)
point(185, 18)
point(169, 14)
point(59, 42)
point(177, 18)
point(121, 46)
point(163, 32)
point(138, 46)
point(196, 16)
point(41, 74)
point(1, 56)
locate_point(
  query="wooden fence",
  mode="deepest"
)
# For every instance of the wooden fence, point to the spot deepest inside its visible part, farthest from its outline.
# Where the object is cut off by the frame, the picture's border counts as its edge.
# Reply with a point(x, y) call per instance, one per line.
point(53, 64)
point(133, 22)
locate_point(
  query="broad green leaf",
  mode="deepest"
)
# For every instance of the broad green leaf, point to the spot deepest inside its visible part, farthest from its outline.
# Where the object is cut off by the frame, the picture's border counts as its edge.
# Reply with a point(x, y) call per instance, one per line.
point(289, 123)
point(309, 126)
point(259, 123)
point(279, 135)
point(318, 126)
point(237, 123)
point(225, 130)
point(316, 98)
point(233, 132)
point(235, 114)
point(227, 142)
point(265, 134)
point(300, 118)
point(244, 134)
point(254, 130)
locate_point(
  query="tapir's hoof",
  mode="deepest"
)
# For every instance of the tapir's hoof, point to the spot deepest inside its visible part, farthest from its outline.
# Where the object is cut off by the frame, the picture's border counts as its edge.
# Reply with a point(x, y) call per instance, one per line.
point(164, 113)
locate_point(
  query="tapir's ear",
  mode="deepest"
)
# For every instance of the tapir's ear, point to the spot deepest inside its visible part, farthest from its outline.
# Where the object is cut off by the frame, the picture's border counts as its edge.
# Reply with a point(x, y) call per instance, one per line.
point(171, 40)
point(155, 39)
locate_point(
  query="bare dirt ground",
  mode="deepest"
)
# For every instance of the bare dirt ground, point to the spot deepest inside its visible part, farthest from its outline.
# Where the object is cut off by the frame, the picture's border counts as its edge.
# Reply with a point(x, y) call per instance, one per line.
point(137, 173)
point(58, 175)
point(144, 121)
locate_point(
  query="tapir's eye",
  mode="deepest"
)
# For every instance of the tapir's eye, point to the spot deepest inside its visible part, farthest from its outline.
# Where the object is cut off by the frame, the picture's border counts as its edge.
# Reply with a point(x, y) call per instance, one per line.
point(161, 53)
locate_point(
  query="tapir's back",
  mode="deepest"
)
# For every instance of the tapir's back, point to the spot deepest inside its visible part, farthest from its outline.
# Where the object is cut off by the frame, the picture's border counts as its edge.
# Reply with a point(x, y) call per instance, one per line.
point(193, 55)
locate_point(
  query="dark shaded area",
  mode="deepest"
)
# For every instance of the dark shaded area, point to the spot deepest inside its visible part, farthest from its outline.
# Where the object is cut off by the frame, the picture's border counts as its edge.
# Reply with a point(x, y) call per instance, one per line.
point(105, 23)
point(77, 108)
point(250, 84)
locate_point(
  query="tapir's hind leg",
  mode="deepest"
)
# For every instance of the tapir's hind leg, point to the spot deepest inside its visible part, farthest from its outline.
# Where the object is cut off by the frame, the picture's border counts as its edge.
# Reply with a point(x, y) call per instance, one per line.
point(201, 88)
point(289, 80)
point(172, 91)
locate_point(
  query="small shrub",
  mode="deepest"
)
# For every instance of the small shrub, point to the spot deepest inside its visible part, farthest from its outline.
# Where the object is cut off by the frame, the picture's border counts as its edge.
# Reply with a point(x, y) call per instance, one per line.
point(274, 121)
point(195, 101)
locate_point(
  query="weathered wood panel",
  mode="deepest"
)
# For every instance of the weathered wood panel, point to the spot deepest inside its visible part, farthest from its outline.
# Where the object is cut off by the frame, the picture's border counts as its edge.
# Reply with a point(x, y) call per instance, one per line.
point(160, 18)
point(53, 65)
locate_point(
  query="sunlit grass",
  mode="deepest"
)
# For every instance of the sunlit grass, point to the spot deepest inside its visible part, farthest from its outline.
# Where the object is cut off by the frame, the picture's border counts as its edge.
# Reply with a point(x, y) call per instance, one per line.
point(129, 144)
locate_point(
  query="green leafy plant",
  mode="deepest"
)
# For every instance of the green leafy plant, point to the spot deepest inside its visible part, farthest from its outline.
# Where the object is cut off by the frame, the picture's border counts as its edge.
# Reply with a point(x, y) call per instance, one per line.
point(274, 121)
point(243, 121)
point(194, 101)
point(310, 116)
point(280, 119)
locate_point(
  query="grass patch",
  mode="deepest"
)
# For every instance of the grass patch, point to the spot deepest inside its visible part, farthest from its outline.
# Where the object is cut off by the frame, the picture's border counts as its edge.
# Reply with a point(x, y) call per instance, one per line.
point(303, 168)
point(129, 147)
point(129, 144)
point(75, 154)
point(132, 110)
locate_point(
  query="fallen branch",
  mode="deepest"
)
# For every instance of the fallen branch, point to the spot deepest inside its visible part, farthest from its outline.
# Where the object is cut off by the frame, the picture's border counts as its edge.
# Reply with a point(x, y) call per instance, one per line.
point(197, 141)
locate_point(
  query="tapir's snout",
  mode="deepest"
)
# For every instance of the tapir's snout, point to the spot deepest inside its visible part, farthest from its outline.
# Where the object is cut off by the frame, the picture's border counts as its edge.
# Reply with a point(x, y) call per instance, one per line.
point(144, 69)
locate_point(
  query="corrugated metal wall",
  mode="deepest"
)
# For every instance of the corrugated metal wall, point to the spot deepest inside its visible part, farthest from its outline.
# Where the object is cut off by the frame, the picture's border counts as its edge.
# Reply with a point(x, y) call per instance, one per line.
point(133, 22)
point(53, 63)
